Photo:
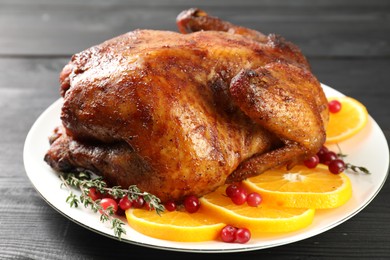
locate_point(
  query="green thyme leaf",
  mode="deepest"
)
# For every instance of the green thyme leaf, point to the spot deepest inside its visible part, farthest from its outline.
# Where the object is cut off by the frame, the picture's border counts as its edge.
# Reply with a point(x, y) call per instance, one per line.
point(117, 226)
point(72, 200)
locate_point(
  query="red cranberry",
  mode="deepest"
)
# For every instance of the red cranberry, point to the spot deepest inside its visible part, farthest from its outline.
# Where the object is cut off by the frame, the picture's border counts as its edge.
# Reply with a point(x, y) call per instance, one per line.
point(243, 235)
point(228, 234)
point(253, 199)
point(94, 194)
point(231, 189)
point(334, 106)
point(139, 202)
point(239, 196)
point(191, 204)
point(105, 203)
point(312, 162)
point(336, 166)
point(125, 203)
point(170, 205)
point(328, 157)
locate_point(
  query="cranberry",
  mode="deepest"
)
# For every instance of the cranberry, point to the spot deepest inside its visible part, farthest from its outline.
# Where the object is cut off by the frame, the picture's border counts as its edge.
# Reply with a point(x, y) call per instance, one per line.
point(312, 162)
point(228, 234)
point(243, 235)
point(336, 166)
point(322, 152)
point(191, 204)
point(94, 194)
point(125, 203)
point(239, 196)
point(138, 202)
point(170, 205)
point(328, 157)
point(105, 203)
point(231, 189)
point(253, 199)
point(148, 206)
point(334, 106)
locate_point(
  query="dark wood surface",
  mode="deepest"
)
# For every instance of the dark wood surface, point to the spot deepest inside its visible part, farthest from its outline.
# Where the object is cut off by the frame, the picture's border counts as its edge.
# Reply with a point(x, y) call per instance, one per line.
point(348, 46)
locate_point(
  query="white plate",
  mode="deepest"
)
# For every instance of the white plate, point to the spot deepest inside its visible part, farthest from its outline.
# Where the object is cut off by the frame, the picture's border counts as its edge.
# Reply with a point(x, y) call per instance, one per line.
point(368, 148)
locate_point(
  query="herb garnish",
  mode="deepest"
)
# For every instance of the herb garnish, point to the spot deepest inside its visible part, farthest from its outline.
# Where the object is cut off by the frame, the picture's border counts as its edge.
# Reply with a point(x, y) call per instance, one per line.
point(83, 181)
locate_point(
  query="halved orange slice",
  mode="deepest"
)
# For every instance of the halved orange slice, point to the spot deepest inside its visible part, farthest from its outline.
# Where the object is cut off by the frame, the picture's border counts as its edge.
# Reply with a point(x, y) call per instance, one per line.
point(352, 117)
point(259, 220)
point(302, 187)
point(175, 225)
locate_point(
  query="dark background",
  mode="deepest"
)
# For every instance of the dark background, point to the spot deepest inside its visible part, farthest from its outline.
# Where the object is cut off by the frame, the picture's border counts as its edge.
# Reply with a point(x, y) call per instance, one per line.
point(346, 42)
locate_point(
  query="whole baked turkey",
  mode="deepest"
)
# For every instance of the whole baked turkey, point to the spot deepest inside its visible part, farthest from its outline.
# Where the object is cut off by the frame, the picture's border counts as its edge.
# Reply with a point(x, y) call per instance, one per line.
point(182, 113)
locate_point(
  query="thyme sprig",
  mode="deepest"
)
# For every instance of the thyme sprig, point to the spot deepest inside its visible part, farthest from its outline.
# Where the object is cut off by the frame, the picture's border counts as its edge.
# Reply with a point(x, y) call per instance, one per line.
point(357, 169)
point(83, 181)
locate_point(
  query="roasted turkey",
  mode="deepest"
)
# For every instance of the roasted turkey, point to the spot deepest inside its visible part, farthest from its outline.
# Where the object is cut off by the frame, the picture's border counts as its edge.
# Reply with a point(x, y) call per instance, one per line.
point(182, 113)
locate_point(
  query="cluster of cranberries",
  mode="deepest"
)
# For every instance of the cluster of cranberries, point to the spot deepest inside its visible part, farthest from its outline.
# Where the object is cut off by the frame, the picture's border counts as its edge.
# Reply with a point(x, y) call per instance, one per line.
point(239, 196)
point(190, 203)
point(118, 205)
point(327, 157)
point(230, 234)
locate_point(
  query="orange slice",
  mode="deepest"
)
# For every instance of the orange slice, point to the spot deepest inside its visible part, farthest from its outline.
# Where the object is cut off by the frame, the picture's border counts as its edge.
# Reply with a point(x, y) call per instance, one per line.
point(259, 220)
point(352, 117)
point(302, 187)
point(175, 225)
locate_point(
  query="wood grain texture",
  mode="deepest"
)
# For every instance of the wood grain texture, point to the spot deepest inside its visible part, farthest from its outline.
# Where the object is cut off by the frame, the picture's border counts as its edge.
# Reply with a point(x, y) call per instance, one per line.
point(319, 28)
point(348, 46)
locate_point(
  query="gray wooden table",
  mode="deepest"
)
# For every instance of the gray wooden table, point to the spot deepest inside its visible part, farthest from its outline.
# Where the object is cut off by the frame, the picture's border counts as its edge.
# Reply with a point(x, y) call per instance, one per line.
point(348, 46)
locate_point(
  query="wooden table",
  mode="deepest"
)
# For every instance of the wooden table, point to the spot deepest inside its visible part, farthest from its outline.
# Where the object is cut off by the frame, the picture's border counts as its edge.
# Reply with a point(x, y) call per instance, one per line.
point(348, 46)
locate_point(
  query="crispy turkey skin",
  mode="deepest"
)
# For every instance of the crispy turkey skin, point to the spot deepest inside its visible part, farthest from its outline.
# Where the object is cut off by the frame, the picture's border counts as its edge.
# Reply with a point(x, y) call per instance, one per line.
point(182, 113)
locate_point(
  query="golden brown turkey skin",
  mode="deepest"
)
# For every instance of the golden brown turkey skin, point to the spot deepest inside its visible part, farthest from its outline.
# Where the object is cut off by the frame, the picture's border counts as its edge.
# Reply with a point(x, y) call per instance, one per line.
point(158, 109)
